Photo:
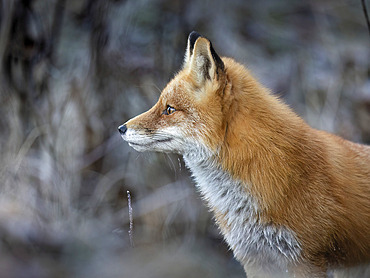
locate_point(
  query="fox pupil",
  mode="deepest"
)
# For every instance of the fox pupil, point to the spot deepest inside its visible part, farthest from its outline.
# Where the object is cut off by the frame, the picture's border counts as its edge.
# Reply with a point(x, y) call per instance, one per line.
point(169, 110)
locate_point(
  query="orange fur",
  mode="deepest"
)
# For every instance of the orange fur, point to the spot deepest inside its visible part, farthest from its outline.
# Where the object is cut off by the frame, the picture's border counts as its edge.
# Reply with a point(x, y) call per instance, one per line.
point(311, 182)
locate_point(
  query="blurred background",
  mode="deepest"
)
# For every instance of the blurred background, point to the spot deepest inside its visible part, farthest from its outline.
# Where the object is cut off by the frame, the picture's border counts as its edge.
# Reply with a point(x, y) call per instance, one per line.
point(72, 71)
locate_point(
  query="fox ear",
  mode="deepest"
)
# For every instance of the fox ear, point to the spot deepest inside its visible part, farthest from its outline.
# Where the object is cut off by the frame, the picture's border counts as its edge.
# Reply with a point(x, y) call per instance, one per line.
point(201, 59)
point(193, 36)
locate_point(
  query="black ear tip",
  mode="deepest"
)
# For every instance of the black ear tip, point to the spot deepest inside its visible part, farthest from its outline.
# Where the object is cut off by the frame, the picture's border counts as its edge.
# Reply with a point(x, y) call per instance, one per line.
point(193, 36)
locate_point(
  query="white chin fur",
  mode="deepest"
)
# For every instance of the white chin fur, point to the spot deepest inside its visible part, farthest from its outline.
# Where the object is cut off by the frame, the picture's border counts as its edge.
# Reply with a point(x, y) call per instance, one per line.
point(137, 148)
point(167, 140)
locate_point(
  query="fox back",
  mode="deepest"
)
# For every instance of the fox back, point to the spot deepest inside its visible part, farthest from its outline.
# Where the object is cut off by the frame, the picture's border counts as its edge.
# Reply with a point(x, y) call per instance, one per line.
point(290, 200)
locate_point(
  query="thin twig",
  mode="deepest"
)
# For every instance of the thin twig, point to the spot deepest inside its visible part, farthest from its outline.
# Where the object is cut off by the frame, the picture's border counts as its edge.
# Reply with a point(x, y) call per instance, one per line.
point(366, 15)
point(130, 231)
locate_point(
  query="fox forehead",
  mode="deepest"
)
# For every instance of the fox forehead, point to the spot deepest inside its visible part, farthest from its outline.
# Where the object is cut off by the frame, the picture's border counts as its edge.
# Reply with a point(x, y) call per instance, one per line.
point(178, 91)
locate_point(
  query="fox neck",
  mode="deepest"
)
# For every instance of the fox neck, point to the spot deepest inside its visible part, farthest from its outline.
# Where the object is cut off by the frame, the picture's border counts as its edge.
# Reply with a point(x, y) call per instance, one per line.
point(237, 214)
point(265, 145)
point(263, 136)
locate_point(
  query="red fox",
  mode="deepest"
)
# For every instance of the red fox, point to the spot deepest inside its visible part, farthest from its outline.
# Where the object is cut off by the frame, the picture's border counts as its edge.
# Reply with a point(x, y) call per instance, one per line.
point(290, 200)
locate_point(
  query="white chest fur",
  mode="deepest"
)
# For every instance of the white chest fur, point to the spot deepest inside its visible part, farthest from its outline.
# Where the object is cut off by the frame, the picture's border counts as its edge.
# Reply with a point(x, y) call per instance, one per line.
point(260, 247)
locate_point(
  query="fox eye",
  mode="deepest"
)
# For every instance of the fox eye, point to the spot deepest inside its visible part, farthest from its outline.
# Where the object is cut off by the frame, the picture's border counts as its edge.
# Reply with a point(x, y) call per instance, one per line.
point(169, 110)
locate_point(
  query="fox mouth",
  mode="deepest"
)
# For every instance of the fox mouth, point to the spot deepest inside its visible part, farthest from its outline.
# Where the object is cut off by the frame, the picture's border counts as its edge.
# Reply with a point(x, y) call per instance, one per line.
point(150, 143)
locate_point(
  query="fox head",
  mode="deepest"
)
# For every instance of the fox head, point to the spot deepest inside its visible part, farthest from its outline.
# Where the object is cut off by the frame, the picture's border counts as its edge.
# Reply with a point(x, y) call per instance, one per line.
point(189, 113)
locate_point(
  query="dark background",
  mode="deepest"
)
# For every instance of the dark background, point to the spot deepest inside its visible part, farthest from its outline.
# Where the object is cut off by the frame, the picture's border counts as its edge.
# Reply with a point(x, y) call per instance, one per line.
point(73, 71)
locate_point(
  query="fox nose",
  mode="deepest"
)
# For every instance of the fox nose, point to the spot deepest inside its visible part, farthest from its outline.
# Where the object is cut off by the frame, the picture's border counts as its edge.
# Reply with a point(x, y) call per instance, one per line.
point(122, 129)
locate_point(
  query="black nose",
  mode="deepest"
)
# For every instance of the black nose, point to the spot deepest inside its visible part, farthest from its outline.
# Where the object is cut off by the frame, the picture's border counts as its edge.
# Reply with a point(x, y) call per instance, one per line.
point(122, 129)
